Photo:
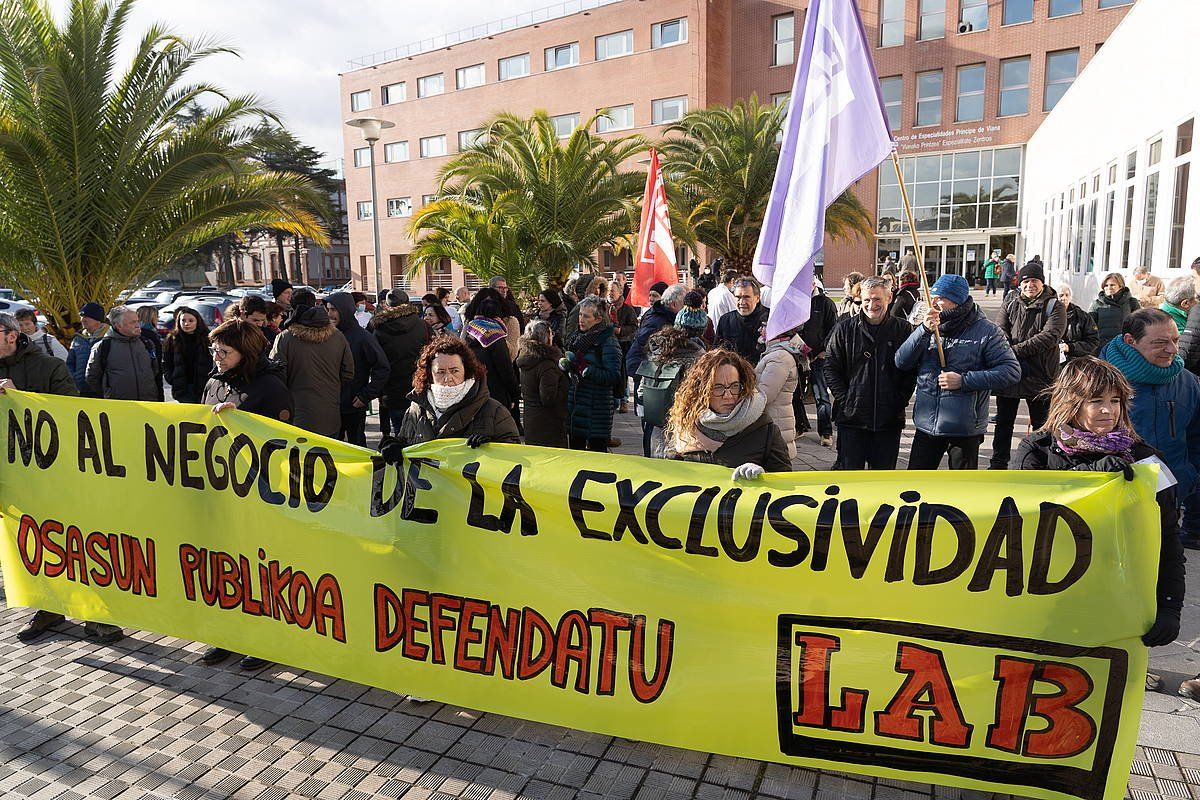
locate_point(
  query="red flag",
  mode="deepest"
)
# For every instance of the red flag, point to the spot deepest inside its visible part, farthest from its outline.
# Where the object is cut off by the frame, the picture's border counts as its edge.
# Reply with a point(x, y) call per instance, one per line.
point(656, 249)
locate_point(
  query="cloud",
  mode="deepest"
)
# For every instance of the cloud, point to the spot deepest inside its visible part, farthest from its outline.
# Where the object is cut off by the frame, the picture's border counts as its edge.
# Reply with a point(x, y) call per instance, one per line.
point(292, 50)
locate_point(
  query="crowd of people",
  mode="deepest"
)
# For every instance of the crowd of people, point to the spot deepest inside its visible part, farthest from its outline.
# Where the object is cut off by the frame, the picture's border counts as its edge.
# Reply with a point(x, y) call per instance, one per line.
point(1104, 388)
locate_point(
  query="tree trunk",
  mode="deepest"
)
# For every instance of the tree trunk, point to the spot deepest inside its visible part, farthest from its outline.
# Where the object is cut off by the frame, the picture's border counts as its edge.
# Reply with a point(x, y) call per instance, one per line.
point(225, 259)
point(299, 278)
point(283, 270)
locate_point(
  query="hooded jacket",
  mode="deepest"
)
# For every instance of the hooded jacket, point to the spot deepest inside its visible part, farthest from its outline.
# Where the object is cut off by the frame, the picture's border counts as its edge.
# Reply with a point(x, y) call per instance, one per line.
point(869, 390)
point(77, 357)
point(122, 368)
point(571, 323)
point(1034, 329)
point(658, 317)
point(265, 394)
point(402, 335)
point(32, 370)
point(822, 317)
point(477, 413)
point(743, 334)
point(544, 389)
point(371, 368)
point(978, 351)
point(187, 363)
point(596, 371)
point(1082, 337)
point(316, 361)
point(1110, 313)
point(778, 377)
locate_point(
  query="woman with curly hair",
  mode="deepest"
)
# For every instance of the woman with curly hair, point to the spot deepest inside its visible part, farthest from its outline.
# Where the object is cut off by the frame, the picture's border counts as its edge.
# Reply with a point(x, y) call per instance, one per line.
point(719, 417)
point(450, 400)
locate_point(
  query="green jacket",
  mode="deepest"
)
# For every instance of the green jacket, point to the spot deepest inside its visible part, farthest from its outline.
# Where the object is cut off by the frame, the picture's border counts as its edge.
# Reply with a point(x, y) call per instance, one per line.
point(989, 269)
point(1177, 314)
point(32, 370)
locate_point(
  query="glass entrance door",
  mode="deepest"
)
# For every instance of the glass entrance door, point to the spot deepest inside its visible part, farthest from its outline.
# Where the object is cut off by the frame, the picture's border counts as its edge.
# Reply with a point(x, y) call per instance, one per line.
point(953, 264)
point(933, 261)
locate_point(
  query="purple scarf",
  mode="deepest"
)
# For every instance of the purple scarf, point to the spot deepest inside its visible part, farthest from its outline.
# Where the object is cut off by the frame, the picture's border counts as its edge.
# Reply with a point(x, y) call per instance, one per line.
point(1117, 442)
point(486, 331)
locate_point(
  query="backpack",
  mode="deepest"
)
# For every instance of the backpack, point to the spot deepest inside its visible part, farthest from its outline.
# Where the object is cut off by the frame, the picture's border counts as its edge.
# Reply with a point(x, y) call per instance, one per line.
point(659, 382)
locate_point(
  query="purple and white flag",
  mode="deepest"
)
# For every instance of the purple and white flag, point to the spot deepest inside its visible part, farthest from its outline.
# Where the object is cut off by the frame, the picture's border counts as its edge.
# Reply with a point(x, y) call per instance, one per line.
point(836, 130)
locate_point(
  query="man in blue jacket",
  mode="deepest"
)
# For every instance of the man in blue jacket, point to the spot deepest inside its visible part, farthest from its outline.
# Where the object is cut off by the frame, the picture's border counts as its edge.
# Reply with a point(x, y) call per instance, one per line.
point(92, 328)
point(951, 411)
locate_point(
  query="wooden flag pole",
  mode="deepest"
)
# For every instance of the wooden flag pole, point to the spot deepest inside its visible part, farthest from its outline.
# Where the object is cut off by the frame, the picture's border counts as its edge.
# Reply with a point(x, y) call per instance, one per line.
point(912, 227)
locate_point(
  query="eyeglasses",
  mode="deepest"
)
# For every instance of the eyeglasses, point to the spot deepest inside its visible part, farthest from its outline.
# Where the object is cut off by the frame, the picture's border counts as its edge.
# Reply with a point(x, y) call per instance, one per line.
point(734, 389)
point(220, 352)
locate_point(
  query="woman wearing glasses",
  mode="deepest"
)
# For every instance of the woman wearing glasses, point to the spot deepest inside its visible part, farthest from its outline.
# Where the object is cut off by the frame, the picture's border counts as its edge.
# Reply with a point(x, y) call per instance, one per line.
point(719, 417)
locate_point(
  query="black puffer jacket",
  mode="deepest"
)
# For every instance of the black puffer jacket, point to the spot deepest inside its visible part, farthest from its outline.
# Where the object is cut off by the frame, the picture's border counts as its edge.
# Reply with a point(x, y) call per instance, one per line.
point(1110, 313)
point(822, 317)
point(477, 413)
point(265, 393)
point(403, 335)
point(869, 390)
point(1034, 335)
point(187, 363)
point(743, 334)
point(544, 389)
point(1082, 336)
point(371, 366)
point(906, 300)
point(1040, 451)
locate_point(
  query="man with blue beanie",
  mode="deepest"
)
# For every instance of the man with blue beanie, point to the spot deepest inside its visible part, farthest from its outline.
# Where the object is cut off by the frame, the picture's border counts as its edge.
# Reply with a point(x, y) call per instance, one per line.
point(951, 410)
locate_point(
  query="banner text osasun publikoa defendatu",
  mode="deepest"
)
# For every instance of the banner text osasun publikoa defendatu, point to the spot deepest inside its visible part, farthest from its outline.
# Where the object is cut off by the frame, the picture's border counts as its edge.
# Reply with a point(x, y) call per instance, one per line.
point(973, 629)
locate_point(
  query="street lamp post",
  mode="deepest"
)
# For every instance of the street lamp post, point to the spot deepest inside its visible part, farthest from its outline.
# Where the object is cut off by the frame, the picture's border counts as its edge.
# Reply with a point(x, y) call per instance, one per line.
point(372, 128)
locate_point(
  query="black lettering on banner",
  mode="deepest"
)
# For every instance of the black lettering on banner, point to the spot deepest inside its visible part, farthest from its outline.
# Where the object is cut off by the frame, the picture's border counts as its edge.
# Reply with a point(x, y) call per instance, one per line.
point(904, 520)
point(111, 468)
point(1005, 537)
point(514, 501)
point(37, 441)
point(409, 510)
point(789, 530)
point(294, 476)
point(381, 505)
point(726, 509)
point(89, 448)
point(241, 487)
point(927, 516)
point(216, 479)
point(627, 500)
point(579, 505)
point(823, 536)
point(187, 454)
point(1043, 549)
point(859, 551)
point(699, 521)
point(268, 495)
point(654, 509)
point(315, 498)
point(158, 458)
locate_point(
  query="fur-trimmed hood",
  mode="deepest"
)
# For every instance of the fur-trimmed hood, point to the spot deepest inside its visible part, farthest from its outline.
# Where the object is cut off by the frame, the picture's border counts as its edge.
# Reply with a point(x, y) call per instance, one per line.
point(311, 325)
point(404, 310)
point(532, 353)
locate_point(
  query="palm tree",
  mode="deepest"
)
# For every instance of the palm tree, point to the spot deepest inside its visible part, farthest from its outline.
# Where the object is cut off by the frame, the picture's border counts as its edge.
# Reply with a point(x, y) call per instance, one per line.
point(545, 205)
point(103, 185)
point(719, 164)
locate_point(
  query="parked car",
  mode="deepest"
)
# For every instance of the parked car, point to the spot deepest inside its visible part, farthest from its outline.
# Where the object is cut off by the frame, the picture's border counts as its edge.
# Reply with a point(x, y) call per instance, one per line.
point(211, 307)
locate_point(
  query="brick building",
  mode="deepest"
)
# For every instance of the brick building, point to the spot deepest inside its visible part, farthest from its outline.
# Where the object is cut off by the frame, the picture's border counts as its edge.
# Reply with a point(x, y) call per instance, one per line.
point(966, 83)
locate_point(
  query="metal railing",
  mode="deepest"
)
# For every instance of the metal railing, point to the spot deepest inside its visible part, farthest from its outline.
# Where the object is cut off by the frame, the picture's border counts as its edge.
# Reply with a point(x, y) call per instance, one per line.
point(556, 11)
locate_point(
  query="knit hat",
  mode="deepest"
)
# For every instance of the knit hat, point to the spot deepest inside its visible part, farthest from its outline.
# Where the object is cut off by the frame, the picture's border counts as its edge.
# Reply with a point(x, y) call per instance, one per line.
point(952, 287)
point(688, 317)
point(659, 288)
point(397, 297)
point(1031, 270)
point(279, 286)
point(92, 310)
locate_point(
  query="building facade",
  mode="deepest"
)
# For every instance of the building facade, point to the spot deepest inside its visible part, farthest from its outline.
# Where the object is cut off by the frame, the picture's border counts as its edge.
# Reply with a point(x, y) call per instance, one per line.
point(966, 83)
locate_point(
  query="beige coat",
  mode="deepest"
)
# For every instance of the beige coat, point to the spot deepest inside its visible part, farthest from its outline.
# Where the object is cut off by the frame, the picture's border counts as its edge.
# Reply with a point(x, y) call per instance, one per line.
point(778, 378)
point(1151, 294)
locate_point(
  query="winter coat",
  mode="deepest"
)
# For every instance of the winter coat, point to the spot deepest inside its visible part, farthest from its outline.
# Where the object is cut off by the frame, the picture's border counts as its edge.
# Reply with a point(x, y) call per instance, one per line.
point(743, 334)
point(659, 316)
point(77, 357)
point(187, 363)
point(1041, 451)
point(1150, 294)
point(1167, 417)
point(822, 317)
point(778, 377)
point(760, 443)
point(316, 360)
point(122, 368)
point(869, 390)
point(49, 345)
point(1008, 272)
point(477, 413)
point(1189, 341)
point(977, 350)
point(502, 383)
point(266, 394)
point(544, 390)
point(1082, 336)
point(1034, 330)
point(402, 335)
point(626, 323)
point(371, 368)
point(154, 345)
point(906, 300)
point(1110, 313)
point(32, 370)
point(594, 374)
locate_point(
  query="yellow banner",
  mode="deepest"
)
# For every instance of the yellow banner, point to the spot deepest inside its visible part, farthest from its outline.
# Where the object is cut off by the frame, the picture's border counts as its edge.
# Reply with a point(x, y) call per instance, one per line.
point(971, 629)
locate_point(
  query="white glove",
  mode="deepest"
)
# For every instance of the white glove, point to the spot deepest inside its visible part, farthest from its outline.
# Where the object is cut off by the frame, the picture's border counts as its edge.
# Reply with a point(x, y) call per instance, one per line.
point(748, 472)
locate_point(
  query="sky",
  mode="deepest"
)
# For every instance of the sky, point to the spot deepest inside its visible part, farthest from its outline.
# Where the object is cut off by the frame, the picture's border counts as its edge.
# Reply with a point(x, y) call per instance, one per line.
point(291, 51)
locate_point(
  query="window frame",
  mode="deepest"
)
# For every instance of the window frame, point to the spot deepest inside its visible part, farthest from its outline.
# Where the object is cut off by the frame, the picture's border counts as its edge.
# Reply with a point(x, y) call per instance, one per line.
point(626, 35)
point(656, 42)
point(398, 201)
point(1050, 9)
point(500, 62)
point(981, 93)
point(789, 42)
point(657, 106)
point(1025, 87)
point(571, 47)
point(359, 208)
point(362, 157)
point(603, 127)
point(1005, 21)
point(923, 14)
point(941, 95)
point(963, 6)
point(386, 95)
point(1047, 83)
point(478, 132)
point(421, 84)
point(407, 153)
point(460, 71)
point(898, 102)
point(355, 96)
point(574, 116)
point(887, 23)
point(424, 139)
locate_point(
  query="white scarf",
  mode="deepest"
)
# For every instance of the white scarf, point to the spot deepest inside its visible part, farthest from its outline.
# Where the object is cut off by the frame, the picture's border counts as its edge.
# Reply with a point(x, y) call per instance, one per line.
point(443, 398)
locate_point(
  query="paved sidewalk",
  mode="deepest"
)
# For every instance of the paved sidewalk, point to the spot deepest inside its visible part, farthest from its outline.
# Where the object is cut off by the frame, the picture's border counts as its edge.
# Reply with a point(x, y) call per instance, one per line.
point(142, 719)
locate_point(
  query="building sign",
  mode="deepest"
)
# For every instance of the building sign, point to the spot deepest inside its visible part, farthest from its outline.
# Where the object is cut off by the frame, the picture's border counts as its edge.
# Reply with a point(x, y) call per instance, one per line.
point(947, 138)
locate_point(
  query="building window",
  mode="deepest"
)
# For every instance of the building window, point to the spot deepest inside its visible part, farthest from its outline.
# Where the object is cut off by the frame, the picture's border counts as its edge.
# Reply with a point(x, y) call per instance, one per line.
point(1130, 165)
point(616, 118)
point(562, 56)
point(1128, 229)
point(781, 98)
point(893, 99)
point(432, 146)
point(362, 156)
point(395, 93)
point(929, 98)
point(1061, 69)
point(1109, 222)
point(431, 85)
point(1115, 3)
point(1061, 8)
point(784, 27)
point(428, 199)
point(666, 34)
point(669, 109)
point(366, 210)
point(1155, 154)
point(932, 24)
point(1150, 218)
point(513, 67)
point(971, 80)
point(468, 139)
point(565, 124)
point(360, 100)
point(1179, 194)
point(614, 45)
point(891, 23)
point(399, 207)
point(953, 191)
point(972, 15)
point(1014, 86)
point(395, 151)
point(1016, 11)
point(469, 77)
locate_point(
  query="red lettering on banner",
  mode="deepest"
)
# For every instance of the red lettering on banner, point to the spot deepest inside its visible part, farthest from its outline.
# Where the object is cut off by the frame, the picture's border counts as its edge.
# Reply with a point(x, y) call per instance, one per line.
point(927, 687)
